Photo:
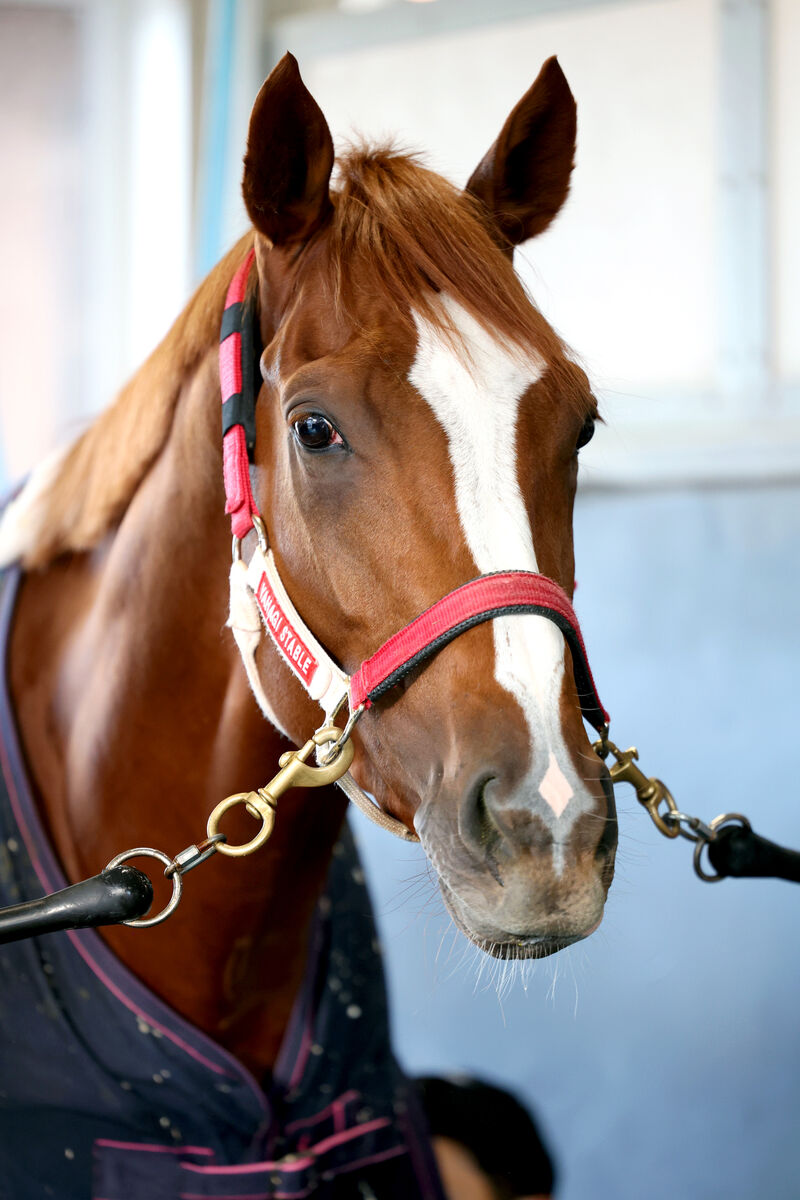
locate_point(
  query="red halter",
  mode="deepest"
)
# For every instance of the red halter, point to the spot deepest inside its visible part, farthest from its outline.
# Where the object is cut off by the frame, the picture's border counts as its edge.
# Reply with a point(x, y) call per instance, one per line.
point(239, 391)
point(482, 599)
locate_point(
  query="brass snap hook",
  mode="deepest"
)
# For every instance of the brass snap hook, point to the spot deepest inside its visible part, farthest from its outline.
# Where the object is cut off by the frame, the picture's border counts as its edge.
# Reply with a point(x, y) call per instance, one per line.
point(650, 792)
point(295, 772)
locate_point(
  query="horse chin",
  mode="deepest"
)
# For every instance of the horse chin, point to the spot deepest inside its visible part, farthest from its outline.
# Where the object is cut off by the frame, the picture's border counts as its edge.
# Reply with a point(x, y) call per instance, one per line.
point(521, 949)
point(504, 945)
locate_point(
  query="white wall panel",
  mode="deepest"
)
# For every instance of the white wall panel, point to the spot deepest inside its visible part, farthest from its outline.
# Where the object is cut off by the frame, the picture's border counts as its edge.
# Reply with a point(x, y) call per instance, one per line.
point(160, 171)
point(786, 184)
point(41, 166)
point(627, 273)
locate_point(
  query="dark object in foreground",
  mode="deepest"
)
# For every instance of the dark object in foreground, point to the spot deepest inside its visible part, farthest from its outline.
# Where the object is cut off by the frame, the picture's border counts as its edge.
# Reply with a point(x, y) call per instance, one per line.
point(497, 1130)
point(738, 851)
point(116, 894)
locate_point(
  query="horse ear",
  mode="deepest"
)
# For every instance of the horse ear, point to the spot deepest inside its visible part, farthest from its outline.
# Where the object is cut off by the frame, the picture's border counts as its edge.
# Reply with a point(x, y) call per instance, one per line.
point(287, 167)
point(524, 178)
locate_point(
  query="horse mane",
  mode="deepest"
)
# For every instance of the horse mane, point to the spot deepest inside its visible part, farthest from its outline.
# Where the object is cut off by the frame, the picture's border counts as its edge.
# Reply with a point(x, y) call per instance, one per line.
point(73, 498)
point(409, 234)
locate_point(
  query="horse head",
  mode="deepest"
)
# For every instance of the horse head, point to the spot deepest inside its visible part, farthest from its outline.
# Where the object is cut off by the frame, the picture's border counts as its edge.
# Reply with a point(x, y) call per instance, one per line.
point(418, 426)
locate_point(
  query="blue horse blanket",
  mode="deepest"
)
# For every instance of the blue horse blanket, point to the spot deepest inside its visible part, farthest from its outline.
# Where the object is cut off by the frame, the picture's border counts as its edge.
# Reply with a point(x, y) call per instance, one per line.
point(108, 1094)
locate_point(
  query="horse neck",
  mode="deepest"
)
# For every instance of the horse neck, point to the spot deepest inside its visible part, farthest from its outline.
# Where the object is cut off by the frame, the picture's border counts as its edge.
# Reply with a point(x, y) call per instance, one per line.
point(137, 719)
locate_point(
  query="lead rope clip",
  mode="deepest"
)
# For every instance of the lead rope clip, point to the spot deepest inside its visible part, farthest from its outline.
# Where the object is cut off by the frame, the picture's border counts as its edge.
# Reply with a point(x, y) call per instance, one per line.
point(652, 794)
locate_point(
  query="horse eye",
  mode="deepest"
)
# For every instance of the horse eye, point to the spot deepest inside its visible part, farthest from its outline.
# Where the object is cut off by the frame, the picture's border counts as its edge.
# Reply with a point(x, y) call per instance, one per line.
point(315, 432)
point(586, 434)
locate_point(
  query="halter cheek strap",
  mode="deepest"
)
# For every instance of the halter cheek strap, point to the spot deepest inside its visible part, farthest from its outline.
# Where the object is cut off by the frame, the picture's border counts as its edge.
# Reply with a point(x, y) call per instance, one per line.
point(322, 678)
point(258, 597)
point(238, 358)
point(259, 601)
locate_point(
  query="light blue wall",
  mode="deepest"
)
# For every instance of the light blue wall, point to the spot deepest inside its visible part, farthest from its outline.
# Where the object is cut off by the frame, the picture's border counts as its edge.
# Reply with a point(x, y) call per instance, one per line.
point(662, 1054)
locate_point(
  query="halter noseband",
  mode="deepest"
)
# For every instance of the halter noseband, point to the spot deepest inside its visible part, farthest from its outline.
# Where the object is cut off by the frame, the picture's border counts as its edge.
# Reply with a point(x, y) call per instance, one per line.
point(259, 597)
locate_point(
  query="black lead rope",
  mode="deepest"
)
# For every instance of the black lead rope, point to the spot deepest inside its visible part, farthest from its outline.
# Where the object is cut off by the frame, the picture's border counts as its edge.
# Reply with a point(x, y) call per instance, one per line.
point(739, 852)
point(115, 895)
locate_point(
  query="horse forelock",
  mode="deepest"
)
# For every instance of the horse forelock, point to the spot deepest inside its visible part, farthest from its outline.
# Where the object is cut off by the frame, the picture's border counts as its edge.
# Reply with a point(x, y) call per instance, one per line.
point(403, 232)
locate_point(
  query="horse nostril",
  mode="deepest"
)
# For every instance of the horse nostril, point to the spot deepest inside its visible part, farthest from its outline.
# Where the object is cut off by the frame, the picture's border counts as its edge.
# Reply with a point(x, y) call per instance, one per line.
point(477, 827)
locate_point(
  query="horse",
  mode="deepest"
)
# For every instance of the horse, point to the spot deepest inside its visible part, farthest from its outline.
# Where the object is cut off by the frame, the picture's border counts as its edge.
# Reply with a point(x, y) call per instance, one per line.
point(417, 426)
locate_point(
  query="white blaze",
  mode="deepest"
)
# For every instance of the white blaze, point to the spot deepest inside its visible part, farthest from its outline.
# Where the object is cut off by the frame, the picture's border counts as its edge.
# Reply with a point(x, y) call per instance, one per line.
point(475, 393)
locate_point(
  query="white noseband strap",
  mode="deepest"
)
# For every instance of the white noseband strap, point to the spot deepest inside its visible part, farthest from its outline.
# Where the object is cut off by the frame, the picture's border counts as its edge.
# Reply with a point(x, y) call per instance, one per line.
point(258, 598)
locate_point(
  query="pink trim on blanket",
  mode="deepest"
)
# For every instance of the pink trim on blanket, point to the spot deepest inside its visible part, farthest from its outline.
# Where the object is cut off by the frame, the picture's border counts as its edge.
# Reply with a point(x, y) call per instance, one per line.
point(370, 1161)
point(248, 1195)
point(339, 1139)
point(319, 1149)
point(334, 1108)
point(303, 1051)
point(153, 1147)
point(255, 1168)
point(139, 1012)
point(27, 837)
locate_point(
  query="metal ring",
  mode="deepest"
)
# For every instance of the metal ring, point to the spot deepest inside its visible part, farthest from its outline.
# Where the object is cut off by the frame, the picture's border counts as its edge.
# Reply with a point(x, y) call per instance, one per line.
point(177, 885)
point(724, 818)
point(660, 794)
point(261, 532)
point(328, 750)
point(267, 818)
point(716, 825)
point(698, 865)
point(698, 831)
